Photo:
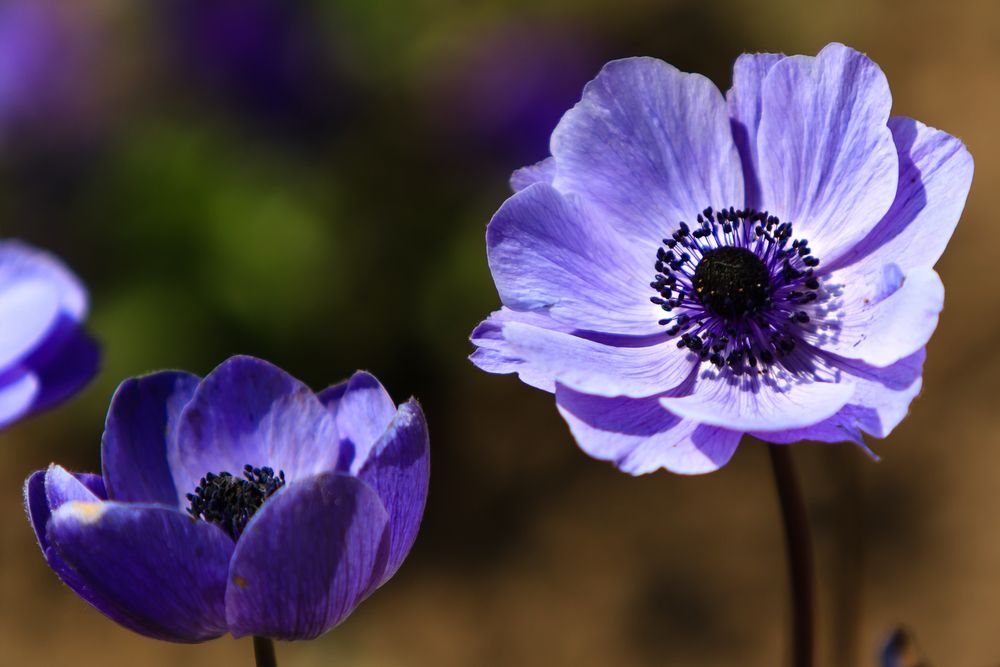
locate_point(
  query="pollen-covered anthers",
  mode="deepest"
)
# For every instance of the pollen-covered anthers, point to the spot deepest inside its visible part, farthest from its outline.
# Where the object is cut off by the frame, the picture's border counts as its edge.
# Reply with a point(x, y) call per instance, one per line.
point(737, 286)
point(229, 501)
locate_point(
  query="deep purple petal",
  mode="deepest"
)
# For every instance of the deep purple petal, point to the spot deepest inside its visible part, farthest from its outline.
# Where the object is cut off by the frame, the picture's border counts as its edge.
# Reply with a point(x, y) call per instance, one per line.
point(828, 163)
point(884, 316)
point(66, 361)
point(540, 172)
point(760, 403)
point(602, 370)
point(639, 436)
point(399, 471)
point(250, 412)
point(882, 397)
point(37, 505)
point(154, 566)
point(935, 173)
point(47, 490)
point(142, 419)
point(648, 145)
point(744, 102)
point(307, 558)
point(363, 413)
point(547, 251)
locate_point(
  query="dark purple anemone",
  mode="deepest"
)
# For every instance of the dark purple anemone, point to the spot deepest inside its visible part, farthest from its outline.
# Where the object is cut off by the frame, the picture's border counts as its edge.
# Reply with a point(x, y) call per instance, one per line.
point(687, 267)
point(45, 355)
point(242, 502)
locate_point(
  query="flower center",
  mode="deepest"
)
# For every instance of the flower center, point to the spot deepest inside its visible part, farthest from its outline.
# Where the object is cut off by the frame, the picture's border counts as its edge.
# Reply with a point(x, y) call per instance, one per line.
point(230, 502)
point(731, 281)
point(740, 292)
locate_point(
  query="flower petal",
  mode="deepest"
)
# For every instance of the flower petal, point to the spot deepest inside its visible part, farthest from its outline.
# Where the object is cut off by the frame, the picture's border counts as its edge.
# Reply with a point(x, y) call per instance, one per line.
point(885, 317)
point(759, 403)
point(639, 436)
point(17, 397)
point(142, 419)
point(399, 471)
point(744, 102)
point(65, 362)
point(540, 172)
point(306, 558)
point(650, 146)
point(150, 564)
point(546, 251)
point(495, 354)
point(363, 413)
point(37, 505)
point(602, 370)
point(935, 173)
point(22, 262)
point(248, 411)
point(828, 163)
point(29, 308)
point(882, 397)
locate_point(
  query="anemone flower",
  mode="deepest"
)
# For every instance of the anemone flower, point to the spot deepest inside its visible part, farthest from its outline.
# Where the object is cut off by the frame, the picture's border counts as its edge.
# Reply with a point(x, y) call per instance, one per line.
point(45, 355)
point(242, 503)
point(687, 267)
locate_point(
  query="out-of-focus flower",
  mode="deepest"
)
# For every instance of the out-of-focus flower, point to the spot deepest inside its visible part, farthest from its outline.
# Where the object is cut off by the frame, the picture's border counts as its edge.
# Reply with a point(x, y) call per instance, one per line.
point(265, 57)
point(505, 92)
point(239, 503)
point(52, 82)
point(661, 274)
point(45, 355)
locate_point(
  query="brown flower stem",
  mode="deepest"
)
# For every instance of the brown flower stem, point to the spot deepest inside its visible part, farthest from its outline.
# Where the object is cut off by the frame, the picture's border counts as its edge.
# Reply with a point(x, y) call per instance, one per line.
point(800, 566)
point(263, 652)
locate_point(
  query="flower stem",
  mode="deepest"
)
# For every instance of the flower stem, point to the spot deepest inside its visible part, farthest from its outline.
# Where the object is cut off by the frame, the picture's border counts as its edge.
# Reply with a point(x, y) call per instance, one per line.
point(263, 652)
point(800, 567)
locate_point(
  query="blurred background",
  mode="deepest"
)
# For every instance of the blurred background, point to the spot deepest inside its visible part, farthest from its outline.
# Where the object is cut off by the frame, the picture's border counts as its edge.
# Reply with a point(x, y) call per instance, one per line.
point(310, 181)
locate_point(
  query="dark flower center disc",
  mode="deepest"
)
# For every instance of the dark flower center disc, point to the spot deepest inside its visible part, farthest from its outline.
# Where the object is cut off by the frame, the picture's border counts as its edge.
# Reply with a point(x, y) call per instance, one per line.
point(731, 282)
point(229, 501)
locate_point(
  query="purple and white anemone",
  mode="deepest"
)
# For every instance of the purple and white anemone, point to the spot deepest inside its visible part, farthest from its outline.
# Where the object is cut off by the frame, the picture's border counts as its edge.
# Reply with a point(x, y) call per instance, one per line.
point(687, 267)
point(45, 354)
point(242, 502)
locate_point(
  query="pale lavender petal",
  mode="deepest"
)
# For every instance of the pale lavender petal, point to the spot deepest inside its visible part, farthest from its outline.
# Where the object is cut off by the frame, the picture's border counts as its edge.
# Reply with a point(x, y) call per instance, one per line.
point(649, 146)
point(744, 102)
point(398, 468)
point(884, 316)
point(760, 403)
point(882, 397)
point(250, 412)
point(29, 309)
point(150, 564)
point(17, 397)
point(547, 251)
point(639, 436)
point(363, 413)
point(935, 173)
point(602, 370)
point(828, 163)
point(540, 172)
point(307, 558)
point(20, 262)
point(495, 354)
point(142, 419)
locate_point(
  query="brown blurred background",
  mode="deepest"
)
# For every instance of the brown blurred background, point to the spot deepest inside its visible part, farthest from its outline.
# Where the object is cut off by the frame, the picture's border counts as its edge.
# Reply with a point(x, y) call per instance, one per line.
point(310, 181)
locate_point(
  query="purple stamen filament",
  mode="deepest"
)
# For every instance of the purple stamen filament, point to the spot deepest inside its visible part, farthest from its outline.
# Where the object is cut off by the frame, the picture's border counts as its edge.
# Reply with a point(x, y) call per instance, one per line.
point(737, 287)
